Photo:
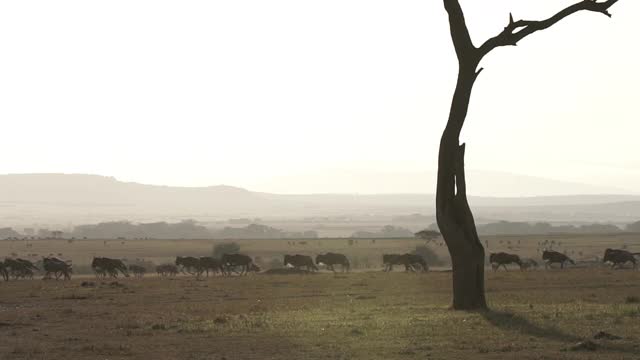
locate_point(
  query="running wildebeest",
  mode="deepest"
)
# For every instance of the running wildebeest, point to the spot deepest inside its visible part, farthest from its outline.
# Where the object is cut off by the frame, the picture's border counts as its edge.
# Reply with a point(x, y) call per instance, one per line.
point(503, 259)
point(299, 261)
point(388, 260)
point(188, 264)
point(411, 260)
point(102, 266)
point(166, 270)
point(19, 268)
point(230, 261)
point(527, 264)
point(137, 270)
point(619, 257)
point(331, 259)
point(210, 264)
point(408, 260)
point(56, 267)
point(550, 257)
point(3, 271)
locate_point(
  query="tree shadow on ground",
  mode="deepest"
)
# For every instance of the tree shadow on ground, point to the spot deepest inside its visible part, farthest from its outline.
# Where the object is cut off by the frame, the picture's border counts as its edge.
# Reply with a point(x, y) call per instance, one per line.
point(509, 321)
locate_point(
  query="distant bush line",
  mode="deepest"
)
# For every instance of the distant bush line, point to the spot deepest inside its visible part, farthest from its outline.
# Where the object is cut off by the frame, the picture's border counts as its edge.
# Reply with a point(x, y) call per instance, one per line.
point(190, 229)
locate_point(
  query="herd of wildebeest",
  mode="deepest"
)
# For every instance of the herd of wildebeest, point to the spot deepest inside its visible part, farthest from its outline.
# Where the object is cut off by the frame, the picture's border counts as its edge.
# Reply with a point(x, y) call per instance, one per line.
point(240, 264)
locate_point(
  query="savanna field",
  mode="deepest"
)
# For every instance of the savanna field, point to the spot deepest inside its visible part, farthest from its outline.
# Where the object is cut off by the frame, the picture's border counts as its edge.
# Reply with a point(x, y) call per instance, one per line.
point(365, 314)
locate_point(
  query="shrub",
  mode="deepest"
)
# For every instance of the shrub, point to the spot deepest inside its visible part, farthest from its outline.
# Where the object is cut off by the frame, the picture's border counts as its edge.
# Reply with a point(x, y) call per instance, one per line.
point(275, 263)
point(225, 248)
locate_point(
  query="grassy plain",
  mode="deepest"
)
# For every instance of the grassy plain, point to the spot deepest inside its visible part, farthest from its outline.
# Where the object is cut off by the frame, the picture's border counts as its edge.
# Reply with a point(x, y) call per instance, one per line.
point(366, 314)
point(363, 315)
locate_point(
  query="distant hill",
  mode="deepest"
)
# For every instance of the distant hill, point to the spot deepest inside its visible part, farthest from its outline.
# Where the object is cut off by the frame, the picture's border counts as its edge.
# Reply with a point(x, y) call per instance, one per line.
point(480, 183)
point(70, 198)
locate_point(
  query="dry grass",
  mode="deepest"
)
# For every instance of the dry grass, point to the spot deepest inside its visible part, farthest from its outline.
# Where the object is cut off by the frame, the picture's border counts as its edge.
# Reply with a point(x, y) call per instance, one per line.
point(366, 315)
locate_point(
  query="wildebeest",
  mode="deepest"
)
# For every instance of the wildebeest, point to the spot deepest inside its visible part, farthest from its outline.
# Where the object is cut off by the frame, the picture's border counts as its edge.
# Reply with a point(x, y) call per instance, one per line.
point(188, 264)
point(527, 264)
point(56, 267)
point(298, 261)
point(19, 268)
point(550, 257)
point(408, 260)
point(503, 259)
point(412, 260)
point(167, 270)
point(619, 257)
point(103, 266)
point(230, 261)
point(3, 271)
point(137, 270)
point(388, 260)
point(207, 263)
point(331, 259)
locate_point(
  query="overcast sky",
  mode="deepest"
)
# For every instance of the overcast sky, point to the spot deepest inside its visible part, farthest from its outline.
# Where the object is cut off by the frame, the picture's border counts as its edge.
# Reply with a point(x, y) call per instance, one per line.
point(252, 93)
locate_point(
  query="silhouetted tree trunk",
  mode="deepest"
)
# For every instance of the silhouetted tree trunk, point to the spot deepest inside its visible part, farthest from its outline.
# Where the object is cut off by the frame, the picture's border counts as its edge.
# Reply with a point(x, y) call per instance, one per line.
point(454, 216)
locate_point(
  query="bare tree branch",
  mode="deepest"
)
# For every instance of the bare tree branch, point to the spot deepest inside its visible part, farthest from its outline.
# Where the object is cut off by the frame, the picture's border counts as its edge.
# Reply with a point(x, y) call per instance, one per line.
point(518, 30)
point(459, 31)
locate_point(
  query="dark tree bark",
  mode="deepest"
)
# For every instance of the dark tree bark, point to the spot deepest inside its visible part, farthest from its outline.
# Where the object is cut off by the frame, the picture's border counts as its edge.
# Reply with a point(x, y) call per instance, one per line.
point(454, 215)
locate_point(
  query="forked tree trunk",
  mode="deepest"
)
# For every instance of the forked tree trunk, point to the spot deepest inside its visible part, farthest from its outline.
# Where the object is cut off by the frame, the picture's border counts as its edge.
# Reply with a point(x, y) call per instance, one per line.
point(454, 216)
point(452, 209)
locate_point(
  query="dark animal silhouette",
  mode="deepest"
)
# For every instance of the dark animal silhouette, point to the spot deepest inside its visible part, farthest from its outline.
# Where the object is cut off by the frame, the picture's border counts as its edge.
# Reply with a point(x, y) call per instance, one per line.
point(408, 260)
point(619, 257)
point(103, 266)
point(167, 270)
point(527, 264)
point(332, 259)
point(299, 261)
point(503, 259)
point(188, 264)
point(208, 264)
point(231, 261)
point(411, 260)
point(19, 268)
point(551, 257)
point(137, 270)
point(3, 271)
point(388, 260)
point(56, 267)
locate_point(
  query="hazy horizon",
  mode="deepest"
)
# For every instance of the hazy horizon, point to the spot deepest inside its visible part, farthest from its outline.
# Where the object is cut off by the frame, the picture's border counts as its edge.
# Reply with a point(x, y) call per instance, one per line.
point(340, 98)
point(482, 181)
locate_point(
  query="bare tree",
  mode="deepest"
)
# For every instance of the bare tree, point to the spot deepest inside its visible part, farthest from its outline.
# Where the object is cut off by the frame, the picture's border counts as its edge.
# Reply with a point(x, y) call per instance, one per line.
point(455, 219)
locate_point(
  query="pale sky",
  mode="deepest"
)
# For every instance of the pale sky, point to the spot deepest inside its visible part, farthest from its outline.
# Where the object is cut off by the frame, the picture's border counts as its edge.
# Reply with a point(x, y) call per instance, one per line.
point(246, 93)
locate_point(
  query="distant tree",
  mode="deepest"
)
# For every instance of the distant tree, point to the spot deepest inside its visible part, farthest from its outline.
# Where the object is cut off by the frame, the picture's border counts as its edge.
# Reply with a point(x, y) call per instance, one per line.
point(187, 229)
point(635, 227)
point(8, 232)
point(311, 234)
point(252, 231)
point(599, 229)
point(388, 231)
point(523, 228)
point(427, 235)
point(225, 248)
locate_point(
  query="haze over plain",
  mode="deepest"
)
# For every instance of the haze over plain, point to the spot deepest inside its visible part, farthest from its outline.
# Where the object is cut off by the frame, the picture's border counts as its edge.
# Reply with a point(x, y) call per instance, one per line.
point(344, 97)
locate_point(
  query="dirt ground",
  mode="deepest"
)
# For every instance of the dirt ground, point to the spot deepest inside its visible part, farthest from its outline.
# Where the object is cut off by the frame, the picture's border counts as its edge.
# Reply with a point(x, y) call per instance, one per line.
point(364, 315)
